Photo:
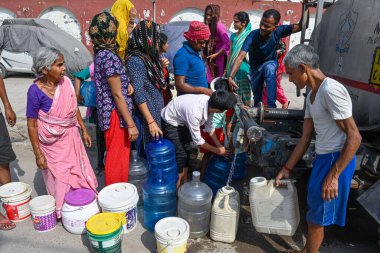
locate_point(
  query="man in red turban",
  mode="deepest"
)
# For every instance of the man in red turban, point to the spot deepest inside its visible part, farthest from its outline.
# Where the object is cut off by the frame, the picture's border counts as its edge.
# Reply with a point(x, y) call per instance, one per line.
point(189, 68)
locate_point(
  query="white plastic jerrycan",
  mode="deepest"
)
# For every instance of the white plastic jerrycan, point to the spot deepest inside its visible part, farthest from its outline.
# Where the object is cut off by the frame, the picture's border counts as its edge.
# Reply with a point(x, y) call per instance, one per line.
point(274, 210)
point(225, 215)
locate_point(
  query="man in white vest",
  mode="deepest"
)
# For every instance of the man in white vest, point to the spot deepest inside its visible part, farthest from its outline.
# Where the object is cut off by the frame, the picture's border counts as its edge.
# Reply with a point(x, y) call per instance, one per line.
point(329, 113)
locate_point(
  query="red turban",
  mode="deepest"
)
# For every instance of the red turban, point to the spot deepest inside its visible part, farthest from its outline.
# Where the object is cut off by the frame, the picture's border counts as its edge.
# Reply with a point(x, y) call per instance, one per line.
point(197, 31)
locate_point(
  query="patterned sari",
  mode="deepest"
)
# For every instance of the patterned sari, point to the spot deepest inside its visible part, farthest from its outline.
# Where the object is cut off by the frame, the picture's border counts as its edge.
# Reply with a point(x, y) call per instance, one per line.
point(241, 77)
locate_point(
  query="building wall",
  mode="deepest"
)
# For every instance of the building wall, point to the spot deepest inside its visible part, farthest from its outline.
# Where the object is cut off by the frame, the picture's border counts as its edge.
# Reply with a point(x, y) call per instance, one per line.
point(75, 16)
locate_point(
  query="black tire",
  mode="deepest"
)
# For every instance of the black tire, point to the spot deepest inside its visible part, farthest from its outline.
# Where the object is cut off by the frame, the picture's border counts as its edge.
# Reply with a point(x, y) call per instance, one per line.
point(3, 71)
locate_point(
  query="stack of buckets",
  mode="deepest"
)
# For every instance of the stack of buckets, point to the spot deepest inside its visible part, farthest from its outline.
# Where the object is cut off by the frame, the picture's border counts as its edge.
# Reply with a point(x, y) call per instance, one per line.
point(18, 204)
point(15, 198)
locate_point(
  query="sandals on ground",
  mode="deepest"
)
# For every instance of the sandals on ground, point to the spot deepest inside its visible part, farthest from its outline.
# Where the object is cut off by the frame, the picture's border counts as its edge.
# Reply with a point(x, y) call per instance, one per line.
point(6, 224)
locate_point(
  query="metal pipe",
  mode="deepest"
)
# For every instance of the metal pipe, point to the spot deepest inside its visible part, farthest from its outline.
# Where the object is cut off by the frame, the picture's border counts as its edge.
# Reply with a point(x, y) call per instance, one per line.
point(289, 114)
point(154, 10)
point(318, 17)
point(260, 113)
point(305, 22)
point(273, 113)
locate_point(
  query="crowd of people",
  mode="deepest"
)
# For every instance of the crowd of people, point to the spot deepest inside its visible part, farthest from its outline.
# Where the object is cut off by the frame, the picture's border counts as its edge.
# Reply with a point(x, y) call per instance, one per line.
point(135, 105)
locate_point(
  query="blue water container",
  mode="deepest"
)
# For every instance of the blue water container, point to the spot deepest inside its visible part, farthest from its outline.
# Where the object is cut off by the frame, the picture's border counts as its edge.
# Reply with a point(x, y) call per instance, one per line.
point(161, 155)
point(240, 170)
point(159, 199)
point(217, 172)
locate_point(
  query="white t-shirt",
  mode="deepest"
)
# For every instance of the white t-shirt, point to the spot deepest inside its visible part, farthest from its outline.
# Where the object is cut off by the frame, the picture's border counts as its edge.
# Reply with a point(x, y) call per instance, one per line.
point(189, 110)
point(332, 102)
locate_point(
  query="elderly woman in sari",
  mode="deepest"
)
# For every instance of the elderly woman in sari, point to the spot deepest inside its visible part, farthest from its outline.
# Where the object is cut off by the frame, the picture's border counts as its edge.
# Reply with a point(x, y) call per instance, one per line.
point(54, 122)
point(147, 78)
point(113, 100)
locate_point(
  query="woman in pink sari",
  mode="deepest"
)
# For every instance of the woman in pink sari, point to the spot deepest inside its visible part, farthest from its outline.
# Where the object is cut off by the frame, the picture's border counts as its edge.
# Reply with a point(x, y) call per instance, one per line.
point(53, 126)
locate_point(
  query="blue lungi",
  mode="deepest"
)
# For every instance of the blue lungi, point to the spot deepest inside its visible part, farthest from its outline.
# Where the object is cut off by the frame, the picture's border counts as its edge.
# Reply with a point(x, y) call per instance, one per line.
point(326, 213)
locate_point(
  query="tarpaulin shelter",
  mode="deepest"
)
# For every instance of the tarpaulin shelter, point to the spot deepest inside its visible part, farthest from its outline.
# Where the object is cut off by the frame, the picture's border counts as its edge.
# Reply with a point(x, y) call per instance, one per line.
point(28, 35)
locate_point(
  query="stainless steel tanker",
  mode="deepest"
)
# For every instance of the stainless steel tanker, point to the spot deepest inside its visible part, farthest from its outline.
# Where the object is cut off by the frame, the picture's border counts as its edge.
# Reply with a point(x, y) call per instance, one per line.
point(348, 41)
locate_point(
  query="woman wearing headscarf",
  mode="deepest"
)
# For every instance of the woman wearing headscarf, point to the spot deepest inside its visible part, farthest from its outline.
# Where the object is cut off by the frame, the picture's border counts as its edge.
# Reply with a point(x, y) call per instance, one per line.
point(147, 78)
point(54, 122)
point(163, 48)
point(243, 26)
point(125, 13)
point(113, 100)
point(216, 50)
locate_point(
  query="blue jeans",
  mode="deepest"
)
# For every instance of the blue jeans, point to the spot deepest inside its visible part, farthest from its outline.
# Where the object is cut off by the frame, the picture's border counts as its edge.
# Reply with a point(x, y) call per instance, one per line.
point(265, 72)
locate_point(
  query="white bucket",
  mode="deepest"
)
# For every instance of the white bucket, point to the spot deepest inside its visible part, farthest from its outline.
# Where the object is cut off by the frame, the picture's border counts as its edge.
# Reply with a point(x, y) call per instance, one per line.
point(171, 234)
point(121, 198)
point(80, 205)
point(74, 218)
point(43, 213)
point(15, 197)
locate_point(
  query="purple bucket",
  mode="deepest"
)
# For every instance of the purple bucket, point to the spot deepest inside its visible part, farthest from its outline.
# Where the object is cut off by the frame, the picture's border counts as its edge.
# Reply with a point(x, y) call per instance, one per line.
point(43, 213)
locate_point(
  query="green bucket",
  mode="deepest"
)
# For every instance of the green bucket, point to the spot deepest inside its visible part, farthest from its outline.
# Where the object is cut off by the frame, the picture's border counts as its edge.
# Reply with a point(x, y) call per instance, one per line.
point(110, 243)
point(105, 233)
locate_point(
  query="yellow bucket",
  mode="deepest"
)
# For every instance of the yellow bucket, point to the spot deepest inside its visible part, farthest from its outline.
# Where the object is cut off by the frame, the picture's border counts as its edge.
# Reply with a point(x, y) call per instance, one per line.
point(171, 235)
point(105, 232)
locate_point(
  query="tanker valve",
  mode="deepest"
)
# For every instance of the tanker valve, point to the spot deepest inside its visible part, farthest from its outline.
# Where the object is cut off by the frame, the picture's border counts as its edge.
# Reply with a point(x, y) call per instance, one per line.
point(254, 133)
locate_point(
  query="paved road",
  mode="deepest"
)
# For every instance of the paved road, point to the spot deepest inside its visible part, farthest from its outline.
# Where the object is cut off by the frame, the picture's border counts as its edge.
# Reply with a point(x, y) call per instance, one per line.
point(360, 235)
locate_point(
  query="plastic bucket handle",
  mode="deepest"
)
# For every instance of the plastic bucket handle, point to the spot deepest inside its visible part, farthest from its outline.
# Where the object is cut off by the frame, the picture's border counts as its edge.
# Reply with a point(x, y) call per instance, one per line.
point(168, 243)
point(78, 209)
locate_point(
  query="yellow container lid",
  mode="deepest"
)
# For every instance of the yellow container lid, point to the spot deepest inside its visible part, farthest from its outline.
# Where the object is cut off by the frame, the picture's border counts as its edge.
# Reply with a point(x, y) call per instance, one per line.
point(103, 223)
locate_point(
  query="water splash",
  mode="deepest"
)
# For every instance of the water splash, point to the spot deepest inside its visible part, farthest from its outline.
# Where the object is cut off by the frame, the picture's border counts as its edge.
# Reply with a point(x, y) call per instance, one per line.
point(232, 169)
